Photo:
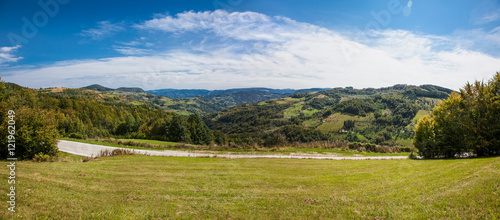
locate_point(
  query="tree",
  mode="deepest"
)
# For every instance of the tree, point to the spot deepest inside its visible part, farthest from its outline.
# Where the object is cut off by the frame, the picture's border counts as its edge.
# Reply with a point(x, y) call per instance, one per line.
point(465, 122)
point(177, 130)
point(219, 137)
point(451, 123)
point(481, 104)
point(424, 137)
point(349, 125)
point(35, 133)
point(200, 134)
point(275, 139)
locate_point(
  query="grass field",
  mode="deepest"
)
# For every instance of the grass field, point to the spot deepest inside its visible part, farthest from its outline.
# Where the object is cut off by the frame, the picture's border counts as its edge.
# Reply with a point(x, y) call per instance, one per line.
point(336, 121)
point(142, 187)
point(420, 114)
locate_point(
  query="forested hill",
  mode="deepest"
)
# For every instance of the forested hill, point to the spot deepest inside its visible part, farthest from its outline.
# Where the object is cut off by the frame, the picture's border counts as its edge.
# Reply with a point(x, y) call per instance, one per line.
point(201, 102)
point(380, 116)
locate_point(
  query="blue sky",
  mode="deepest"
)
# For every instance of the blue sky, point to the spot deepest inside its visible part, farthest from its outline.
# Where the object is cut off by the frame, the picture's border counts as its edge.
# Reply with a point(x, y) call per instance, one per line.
point(220, 44)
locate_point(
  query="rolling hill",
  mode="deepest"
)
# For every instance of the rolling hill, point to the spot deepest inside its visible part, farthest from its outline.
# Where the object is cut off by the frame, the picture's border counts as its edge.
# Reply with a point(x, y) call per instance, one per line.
point(188, 101)
point(381, 116)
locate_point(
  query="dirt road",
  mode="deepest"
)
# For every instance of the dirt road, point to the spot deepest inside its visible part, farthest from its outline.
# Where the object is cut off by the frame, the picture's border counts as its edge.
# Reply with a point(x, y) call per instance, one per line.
point(90, 150)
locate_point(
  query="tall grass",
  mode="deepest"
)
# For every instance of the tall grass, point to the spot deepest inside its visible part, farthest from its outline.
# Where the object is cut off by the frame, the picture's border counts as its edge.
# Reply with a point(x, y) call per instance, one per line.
point(110, 153)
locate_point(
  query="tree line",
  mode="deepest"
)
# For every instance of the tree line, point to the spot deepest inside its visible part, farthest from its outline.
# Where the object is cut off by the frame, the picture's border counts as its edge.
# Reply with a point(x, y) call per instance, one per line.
point(467, 122)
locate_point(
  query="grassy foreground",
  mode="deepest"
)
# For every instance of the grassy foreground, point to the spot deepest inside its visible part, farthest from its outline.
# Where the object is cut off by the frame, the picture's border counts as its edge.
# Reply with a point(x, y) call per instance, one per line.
point(142, 187)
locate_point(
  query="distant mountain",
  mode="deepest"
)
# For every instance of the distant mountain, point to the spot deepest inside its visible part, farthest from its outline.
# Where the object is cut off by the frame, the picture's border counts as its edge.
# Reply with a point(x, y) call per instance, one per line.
point(97, 87)
point(264, 90)
point(191, 93)
point(130, 89)
point(246, 97)
point(188, 101)
point(180, 93)
point(232, 97)
point(310, 90)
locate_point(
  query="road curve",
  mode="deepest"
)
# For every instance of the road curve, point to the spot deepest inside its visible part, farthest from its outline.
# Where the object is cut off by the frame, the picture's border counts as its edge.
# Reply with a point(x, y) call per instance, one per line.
point(92, 150)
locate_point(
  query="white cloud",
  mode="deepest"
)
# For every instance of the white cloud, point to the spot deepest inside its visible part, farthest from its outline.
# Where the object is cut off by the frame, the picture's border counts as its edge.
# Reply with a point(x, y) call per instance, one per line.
point(7, 56)
point(102, 30)
point(132, 50)
point(237, 25)
point(258, 50)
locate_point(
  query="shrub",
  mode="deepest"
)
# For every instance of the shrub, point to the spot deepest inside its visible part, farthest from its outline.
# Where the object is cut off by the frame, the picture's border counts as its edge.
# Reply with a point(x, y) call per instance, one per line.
point(36, 133)
point(115, 152)
point(76, 136)
point(40, 157)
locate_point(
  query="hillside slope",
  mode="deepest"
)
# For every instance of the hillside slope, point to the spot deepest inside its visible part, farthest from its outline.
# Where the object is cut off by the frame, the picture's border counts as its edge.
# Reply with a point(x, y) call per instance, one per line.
point(381, 116)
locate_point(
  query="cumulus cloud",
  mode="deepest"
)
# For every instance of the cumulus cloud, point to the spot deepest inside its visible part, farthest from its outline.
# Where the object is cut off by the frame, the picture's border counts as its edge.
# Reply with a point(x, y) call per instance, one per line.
point(237, 25)
point(7, 54)
point(254, 49)
point(102, 30)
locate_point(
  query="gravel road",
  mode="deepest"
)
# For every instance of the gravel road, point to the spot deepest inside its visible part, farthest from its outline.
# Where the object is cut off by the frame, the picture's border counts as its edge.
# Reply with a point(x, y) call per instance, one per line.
point(90, 150)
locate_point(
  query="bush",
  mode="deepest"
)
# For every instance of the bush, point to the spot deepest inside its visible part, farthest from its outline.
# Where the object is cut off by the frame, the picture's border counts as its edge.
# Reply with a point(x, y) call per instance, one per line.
point(36, 133)
point(116, 152)
point(41, 158)
point(77, 136)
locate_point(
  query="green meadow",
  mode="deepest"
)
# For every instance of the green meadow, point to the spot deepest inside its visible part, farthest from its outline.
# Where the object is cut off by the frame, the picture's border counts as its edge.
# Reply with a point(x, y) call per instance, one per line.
point(146, 187)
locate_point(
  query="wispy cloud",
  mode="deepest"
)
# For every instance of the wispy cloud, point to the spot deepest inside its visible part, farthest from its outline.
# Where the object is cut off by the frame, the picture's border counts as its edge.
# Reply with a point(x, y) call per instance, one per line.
point(102, 30)
point(252, 49)
point(479, 40)
point(7, 55)
point(487, 11)
point(488, 17)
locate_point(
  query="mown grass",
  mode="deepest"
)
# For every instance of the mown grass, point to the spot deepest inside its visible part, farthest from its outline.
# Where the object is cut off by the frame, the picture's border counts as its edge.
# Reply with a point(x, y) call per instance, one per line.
point(142, 187)
point(274, 150)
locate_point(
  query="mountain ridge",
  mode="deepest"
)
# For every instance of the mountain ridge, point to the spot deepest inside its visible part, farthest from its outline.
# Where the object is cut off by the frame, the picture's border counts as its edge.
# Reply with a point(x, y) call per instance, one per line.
point(191, 93)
